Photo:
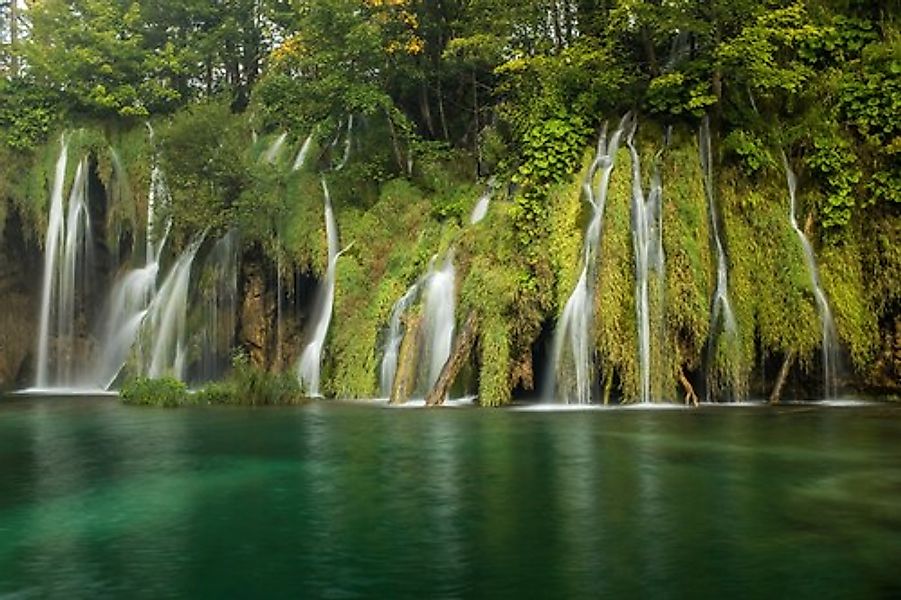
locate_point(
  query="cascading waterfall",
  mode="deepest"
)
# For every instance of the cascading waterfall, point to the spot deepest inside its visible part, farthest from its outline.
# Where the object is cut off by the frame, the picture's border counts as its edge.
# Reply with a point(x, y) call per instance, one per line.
point(438, 317)
point(394, 338)
point(481, 208)
point(220, 306)
point(721, 311)
point(308, 367)
point(830, 338)
point(132, 295)
point(571, 371)
point(647, 243)
point(347, 144)
point(275, 149)
point(67, 257)
point(301, 159)
point(165, 325)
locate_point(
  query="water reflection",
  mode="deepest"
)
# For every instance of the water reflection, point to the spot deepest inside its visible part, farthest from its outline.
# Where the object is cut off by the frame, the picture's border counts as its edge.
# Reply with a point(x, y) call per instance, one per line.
point(347, 501)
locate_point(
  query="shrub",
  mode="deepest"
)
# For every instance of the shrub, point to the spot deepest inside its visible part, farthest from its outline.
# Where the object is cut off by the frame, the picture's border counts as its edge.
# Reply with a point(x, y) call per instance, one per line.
point(143, 391)
point(247, 385)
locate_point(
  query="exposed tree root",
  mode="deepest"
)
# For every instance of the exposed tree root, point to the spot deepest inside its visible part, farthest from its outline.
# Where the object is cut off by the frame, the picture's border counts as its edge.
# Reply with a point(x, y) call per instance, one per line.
point(690, 396)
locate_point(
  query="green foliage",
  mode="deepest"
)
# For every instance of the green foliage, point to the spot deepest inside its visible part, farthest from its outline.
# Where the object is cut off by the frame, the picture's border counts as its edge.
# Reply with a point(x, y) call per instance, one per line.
point(751, 151)
point(250, 386)
point(679, 94)
point(442, 91)
point(161, 393)
point(202, 152)
point(839, 39)
point(870, 96)
point(27, 114)
point(832, 159)
point(765, 55)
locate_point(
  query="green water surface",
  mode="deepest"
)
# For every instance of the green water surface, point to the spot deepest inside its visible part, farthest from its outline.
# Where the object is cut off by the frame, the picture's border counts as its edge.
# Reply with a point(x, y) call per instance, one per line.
point(344, 501)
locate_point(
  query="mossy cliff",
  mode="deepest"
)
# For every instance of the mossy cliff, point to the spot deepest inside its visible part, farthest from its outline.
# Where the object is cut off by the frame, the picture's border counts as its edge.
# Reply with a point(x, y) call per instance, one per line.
point(392, 226)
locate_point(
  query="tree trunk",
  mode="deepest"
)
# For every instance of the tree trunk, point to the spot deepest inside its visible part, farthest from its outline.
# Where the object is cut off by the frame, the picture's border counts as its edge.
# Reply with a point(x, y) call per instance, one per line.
point(394, 142)
point(608, 386)
point(462, 347)
point(441, 114)
point(475, 111)
point(425, 109)
point(14, 37)
point(776, 395)
point(405, 379)
point(718, 82)
point(650, 52)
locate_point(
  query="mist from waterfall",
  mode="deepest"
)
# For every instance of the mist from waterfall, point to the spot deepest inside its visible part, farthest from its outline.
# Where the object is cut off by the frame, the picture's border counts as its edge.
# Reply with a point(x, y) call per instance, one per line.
point(829, 343)
point(309, 365)
point(571, 371)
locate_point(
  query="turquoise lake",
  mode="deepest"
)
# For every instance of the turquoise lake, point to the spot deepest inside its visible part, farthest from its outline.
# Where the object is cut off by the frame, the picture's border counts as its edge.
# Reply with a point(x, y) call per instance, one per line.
point(335, 500)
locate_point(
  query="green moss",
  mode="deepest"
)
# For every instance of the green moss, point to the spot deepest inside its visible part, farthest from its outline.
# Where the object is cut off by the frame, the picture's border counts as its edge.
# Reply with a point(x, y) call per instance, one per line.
point(686, 243)
point(568, 215)
point(494, 361)
point(615, 320)
point(772, 290)
point(393, 242)
point(852, 306)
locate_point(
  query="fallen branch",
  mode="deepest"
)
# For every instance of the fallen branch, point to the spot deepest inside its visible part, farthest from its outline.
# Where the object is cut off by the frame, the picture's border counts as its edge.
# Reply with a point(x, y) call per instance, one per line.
point(462, 347)
point(776, 395)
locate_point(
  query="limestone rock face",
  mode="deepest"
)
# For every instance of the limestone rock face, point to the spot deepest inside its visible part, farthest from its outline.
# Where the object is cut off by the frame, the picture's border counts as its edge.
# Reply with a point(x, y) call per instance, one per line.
point(257, 312)
point(19, 300)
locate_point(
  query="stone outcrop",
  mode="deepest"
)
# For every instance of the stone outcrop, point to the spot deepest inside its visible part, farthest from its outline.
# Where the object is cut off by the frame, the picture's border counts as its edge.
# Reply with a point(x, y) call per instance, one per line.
point(19, 300)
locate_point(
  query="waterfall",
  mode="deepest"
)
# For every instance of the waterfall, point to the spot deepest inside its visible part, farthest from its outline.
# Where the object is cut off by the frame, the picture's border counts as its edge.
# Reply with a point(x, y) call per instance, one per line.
point(571, 370)
point(438, 317)
point(394, 338)
point(126, 310)
point(481, 207)
point(310, 362)
point(165, 324)
point(721, 312)
point(647, 243)
point(220, 306)
point(132, 295)
point(347, 144)
point(301, 159)
point(275, 149)
point(828, 326)
point(67, 258)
